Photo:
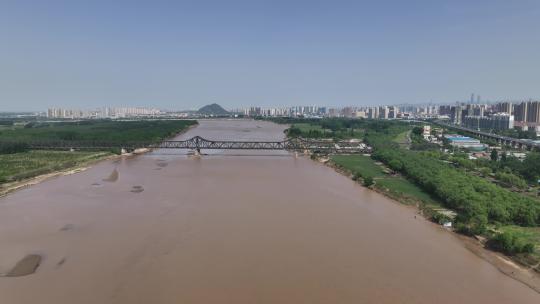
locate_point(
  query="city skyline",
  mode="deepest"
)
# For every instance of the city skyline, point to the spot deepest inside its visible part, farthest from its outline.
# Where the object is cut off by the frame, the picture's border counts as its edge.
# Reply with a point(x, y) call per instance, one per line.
point(468, 100)
point(183, 55)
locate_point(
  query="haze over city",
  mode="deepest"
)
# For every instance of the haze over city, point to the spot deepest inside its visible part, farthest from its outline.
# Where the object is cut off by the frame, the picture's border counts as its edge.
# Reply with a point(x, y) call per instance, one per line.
point(185, 54)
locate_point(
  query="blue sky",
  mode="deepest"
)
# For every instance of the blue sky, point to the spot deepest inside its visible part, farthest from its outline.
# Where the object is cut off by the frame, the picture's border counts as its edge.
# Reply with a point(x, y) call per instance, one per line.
point(184, 54)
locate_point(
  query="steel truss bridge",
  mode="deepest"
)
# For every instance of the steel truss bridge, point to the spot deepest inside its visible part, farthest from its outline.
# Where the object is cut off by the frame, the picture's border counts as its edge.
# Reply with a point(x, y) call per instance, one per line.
point(199, 143)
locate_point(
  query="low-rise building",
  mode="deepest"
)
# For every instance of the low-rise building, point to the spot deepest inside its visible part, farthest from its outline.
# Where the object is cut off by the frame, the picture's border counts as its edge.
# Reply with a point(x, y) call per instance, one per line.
point(465, 142)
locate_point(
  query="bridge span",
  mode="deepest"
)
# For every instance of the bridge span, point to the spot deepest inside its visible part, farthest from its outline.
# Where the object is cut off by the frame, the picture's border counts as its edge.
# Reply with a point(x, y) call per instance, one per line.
point(199, 143)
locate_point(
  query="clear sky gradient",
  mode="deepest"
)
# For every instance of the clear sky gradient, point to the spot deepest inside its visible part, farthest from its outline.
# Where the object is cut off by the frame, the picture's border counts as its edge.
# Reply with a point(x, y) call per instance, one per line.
point(184, 54)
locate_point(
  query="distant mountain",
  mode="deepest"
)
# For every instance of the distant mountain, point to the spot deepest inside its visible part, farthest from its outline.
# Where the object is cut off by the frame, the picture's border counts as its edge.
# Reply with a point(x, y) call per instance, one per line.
point(213, 109)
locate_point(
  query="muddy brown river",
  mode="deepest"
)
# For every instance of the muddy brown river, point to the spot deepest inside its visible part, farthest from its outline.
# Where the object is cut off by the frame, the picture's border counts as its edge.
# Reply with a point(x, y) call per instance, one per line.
point(232, 227)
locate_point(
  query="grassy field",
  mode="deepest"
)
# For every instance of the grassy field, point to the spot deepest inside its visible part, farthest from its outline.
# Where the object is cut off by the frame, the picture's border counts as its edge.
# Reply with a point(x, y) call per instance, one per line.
point(306, 127)
point(399, 187)
point(402, 139)
point(402, 186)
point(97, 130)
point(19, 166)
point(27, 164)
point(530, 235)
point(361, 164)
point(308, 130)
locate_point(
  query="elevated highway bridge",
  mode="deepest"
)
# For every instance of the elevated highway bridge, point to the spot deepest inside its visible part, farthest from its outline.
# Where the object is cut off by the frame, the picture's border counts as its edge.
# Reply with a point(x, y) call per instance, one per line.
point(515, 143)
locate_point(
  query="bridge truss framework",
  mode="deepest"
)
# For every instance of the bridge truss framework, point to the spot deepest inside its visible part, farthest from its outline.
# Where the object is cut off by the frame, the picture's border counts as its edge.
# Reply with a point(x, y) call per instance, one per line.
point(199, 143)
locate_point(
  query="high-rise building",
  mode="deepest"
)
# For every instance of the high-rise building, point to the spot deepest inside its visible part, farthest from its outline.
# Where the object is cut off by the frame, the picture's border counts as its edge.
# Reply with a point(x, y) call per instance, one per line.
point(527, 114)
point(501, 121)
point(383, 112)
point(503, 107)
point(456, 114)
point(445, 110)
point(520, 112)
point(533, 112)
point(373, 113)
point(392, 112)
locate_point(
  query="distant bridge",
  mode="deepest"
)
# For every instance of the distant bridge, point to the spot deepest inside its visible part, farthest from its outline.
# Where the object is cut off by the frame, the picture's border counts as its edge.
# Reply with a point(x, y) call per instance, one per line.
point(199, 143)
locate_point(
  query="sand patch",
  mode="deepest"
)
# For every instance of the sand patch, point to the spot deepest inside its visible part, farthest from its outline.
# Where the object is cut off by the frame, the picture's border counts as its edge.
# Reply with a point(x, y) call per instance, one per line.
point(26, 266)
point(61, 262)
point(137, 189)
point(113, 177)
point(67, 227)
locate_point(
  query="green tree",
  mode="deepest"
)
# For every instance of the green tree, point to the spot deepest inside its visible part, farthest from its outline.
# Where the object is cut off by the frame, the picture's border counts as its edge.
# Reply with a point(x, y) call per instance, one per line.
point(368, 181)
point(494, 155)
point(503, 157)
point(418, 131)
point(485, 171)
point(395, 165)
point(510, 243)
point(531, 167)
point(294, 132)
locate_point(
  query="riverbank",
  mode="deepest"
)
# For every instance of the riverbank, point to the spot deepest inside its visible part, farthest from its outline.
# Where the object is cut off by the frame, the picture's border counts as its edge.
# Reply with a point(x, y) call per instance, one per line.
point(47, 173)
point(505, 264)
point(24, 169)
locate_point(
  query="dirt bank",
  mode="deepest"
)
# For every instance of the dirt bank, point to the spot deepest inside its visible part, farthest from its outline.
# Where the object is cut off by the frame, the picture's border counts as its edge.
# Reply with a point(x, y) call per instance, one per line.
point(21, 184)
point(7, 188)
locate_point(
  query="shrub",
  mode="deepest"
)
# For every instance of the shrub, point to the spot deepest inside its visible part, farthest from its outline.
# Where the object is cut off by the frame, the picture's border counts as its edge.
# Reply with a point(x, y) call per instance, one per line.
point(368, 181)
point(510, 243)
point(12, 147)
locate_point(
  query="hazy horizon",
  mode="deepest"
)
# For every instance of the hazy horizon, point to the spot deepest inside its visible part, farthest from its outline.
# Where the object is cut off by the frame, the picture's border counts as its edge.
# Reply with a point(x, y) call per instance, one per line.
point(186, 54)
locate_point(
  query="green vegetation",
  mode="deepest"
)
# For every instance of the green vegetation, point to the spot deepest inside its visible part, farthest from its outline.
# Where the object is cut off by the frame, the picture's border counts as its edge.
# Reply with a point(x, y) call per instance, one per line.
point(403, 186)
point(368, 181)
point(403, 139)
point(17, 162)
point(522, 243)
point(331, 128)
point(306, 128)
point(473, 188)
point(511, 180)
point(19, 166)
point(418, 141)
point(364, 167)
point(511, 242)
point(97, 130)
point(12, 147)
point(476, 200)
point(360, 164)
point(494, 155)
